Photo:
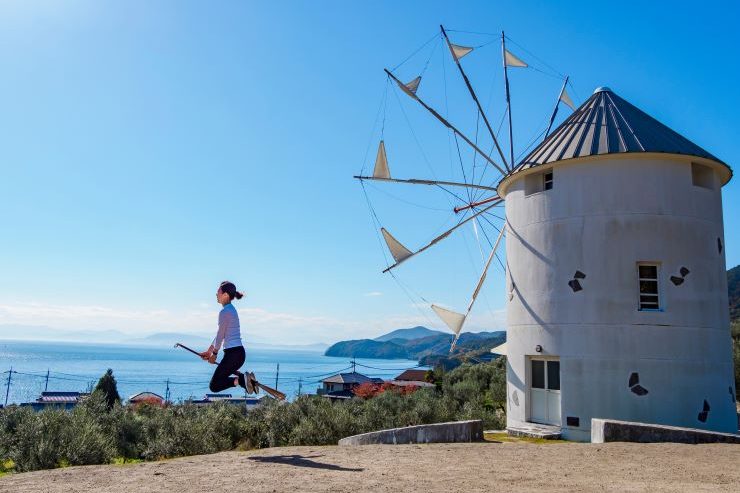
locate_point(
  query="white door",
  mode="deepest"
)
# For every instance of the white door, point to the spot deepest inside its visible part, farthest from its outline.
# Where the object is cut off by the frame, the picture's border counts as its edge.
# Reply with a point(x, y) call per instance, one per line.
point(545, 391)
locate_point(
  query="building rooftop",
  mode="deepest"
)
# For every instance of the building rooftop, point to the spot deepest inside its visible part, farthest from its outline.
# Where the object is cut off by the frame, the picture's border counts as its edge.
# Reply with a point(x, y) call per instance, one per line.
point(144, 395)
point(413, 375)
point(55, 396)
point(352, 377)
point(608, 124)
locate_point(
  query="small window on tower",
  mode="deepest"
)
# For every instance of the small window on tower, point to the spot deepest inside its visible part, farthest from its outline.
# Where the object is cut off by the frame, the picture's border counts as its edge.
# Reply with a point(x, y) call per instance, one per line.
point(702, 176)
point(538, 182)
point(547, 180)
point(648, 286)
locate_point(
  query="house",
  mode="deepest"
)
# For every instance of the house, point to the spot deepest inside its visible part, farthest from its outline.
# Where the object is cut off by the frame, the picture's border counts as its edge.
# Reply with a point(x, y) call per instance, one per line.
point(616, 284)
point(57, 400)
point(340, 386)
point(147, 398)
point(411, 378)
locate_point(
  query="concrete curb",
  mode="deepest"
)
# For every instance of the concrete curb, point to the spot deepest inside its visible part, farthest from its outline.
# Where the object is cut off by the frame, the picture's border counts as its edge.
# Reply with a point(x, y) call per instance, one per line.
point(456, 431)
point(610, 430)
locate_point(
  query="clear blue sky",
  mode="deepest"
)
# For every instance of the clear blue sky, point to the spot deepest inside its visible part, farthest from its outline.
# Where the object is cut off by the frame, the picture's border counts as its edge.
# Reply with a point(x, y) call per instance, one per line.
point(152, 149)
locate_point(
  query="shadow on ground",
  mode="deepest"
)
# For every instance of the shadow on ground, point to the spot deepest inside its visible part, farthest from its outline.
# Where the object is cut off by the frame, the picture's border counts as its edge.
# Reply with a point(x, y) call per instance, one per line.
point(302, 461)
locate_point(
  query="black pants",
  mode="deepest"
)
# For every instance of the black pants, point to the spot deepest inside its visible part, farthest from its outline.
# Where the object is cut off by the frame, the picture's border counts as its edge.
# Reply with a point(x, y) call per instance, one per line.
point(223, 377)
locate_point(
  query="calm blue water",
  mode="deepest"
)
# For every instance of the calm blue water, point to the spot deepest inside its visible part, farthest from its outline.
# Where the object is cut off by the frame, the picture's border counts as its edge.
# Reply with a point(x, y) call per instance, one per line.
point(75, 367)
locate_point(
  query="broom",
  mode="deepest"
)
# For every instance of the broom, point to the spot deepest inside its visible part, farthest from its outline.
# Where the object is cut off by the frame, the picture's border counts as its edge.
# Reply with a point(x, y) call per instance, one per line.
point(268, 390)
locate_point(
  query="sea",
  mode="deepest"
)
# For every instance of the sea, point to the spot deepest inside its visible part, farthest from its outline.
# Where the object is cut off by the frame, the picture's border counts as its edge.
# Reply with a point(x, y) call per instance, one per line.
point(164, 370)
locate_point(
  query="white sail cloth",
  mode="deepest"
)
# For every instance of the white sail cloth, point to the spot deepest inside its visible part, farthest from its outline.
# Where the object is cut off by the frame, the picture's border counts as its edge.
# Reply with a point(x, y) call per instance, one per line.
point(512, 60)
point(410, 88)
point(459, 51)
point(381, 163)
point(453, 320)
point(565, 98)
point(399, 252)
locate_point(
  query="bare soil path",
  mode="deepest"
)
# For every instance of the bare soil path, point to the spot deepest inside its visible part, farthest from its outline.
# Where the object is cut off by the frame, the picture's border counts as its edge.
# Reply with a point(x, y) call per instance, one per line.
point(426, 468)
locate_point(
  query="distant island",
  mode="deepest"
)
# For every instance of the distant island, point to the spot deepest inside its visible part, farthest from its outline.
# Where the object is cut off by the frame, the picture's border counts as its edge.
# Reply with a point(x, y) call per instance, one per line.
point(419, 343)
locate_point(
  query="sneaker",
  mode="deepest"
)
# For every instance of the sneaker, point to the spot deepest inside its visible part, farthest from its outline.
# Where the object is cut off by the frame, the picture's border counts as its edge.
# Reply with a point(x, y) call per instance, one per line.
point(250, 381)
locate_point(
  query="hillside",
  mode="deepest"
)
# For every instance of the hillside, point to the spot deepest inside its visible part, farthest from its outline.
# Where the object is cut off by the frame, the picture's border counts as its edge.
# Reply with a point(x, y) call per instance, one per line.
point(438, 344)
point(367, 348)
point(412, 333)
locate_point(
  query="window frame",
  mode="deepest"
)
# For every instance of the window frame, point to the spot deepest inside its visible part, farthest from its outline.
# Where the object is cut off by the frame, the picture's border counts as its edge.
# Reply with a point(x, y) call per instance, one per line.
point(545, 180)
point(658, 299)
point(538, 182)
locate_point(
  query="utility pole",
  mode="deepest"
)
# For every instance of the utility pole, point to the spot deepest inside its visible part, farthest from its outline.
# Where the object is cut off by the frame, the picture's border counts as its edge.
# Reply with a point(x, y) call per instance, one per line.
point(167, 392)
point(300, 386)
point(7, 392)
point(46, 385)
point(354, 365)
point(277, 376)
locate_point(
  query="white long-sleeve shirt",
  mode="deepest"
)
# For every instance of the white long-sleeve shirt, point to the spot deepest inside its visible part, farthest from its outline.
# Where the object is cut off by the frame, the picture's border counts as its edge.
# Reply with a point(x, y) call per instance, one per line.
point(228, 329)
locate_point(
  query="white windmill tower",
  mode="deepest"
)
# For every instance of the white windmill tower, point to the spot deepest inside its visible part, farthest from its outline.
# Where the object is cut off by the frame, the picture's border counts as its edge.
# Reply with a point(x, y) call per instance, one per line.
point(615, 273)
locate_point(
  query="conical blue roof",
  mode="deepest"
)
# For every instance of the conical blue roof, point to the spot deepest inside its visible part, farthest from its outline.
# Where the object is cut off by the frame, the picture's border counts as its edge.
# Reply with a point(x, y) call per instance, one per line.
point(607, 124)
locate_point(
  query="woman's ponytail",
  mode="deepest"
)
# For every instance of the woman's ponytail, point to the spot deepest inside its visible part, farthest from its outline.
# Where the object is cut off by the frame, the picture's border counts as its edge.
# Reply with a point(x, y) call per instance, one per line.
point(230, 289)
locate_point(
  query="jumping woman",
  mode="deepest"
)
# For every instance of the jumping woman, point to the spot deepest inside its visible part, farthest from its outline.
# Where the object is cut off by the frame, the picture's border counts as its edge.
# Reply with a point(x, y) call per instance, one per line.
point(227, 374)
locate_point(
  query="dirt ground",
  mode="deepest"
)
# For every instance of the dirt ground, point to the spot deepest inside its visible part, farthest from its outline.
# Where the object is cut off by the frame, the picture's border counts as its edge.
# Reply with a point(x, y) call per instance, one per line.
point(427, 468)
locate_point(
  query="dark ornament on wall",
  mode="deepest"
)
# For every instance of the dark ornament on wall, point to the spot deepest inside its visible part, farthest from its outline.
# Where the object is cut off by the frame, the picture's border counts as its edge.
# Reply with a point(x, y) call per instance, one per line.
point(639, 390)
point(574, 283)
point(634, 379)
point(634, 385)
point(678, 280)
point(704, 414)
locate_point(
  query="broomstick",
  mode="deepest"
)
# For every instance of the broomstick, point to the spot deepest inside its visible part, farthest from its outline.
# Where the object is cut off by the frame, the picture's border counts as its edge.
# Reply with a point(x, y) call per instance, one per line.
point(269, 390)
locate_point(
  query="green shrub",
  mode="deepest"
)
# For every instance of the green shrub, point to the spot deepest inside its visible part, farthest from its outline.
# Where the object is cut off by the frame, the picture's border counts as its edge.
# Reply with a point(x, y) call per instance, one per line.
point(97, 432)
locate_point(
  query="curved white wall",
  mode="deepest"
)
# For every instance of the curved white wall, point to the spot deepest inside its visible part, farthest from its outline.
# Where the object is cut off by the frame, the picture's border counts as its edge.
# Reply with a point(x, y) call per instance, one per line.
point(602, 216)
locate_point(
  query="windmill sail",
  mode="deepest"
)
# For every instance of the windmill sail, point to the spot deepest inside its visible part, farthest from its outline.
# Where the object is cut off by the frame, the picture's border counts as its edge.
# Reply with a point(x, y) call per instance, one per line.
point(381, 163)
point(562, 97)
point(399, 252)
point(513, 60)
point(453, 320)
point(410, 88)
point(565, 98)
point(459, 51)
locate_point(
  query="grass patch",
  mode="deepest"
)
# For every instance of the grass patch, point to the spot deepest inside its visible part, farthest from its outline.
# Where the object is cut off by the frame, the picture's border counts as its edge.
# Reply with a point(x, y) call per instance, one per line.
point(123, 461)
point(505, 438)
point(6, 467)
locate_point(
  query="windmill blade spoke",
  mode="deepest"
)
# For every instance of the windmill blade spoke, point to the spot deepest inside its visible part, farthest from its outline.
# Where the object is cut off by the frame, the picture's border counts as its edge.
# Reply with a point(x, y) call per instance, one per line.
point(475, 97)
point(455, 321)
point(416, 181)
point(485, 270)
point(442, 236)
point(475, 204)
point(444, 122)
